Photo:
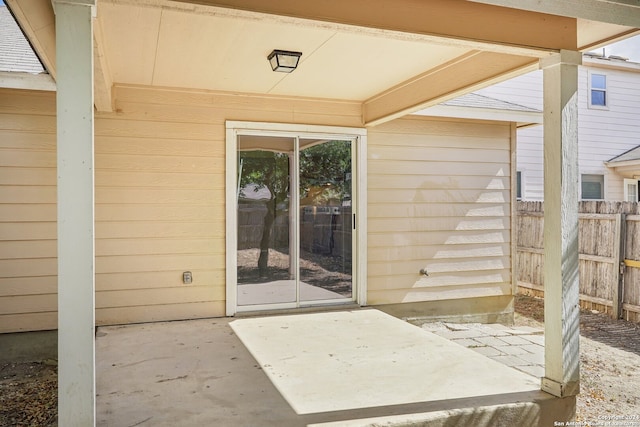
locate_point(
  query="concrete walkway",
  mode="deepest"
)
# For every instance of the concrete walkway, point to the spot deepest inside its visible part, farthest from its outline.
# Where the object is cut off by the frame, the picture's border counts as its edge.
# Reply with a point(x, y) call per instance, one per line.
point(519, 347)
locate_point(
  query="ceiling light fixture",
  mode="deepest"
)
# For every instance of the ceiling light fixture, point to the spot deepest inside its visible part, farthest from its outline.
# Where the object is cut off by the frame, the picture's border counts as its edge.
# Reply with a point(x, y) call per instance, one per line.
point(284, 61)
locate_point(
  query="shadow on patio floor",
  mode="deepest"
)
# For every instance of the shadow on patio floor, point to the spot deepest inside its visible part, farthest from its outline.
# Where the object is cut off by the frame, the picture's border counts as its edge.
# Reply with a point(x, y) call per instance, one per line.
point(194, 373)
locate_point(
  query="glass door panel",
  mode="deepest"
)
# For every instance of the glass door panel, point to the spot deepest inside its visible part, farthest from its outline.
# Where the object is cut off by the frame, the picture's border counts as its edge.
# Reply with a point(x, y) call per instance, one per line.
point(325, 251)
point(266, 268)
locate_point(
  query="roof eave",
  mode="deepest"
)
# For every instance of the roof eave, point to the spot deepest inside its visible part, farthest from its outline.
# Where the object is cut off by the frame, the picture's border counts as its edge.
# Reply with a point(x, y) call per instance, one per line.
point(29, 81)
point(522, 118)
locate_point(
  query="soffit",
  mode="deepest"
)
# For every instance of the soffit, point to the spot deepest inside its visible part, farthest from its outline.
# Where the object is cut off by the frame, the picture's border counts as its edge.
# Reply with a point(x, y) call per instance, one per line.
point(176, 48)
point(396, 57)
point(593, 34)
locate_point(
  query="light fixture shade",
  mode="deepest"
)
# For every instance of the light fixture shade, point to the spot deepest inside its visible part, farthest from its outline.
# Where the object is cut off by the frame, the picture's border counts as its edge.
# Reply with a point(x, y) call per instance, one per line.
point(284, 61)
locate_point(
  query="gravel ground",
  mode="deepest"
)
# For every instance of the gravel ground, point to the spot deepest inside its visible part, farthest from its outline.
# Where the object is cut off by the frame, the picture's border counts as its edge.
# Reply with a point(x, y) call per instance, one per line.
point(610, 375)
point(28, 394)
point(610, 365)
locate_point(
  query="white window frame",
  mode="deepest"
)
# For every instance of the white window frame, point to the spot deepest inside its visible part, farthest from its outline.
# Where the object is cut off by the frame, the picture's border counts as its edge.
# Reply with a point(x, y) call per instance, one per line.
point(359, 200)
point(604, 184)
point(607, 100)
point(626, 184)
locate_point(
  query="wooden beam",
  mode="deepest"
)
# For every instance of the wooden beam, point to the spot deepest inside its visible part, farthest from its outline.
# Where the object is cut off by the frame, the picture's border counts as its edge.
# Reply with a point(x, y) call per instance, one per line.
point(634, 3)
point(103, 82)
point(561, 265)
point(37, 21)
point(76, 225)
point(619, 12)
point(471, 71)
point(455, 20)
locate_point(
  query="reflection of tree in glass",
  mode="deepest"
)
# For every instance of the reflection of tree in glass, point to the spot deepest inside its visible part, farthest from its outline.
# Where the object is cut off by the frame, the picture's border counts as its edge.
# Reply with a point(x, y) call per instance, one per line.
point(323, 171)
point(266, 169)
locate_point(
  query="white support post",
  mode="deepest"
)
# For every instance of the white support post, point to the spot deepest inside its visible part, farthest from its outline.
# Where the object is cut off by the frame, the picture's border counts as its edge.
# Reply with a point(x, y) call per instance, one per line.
point(561, 265)
point(76, 273)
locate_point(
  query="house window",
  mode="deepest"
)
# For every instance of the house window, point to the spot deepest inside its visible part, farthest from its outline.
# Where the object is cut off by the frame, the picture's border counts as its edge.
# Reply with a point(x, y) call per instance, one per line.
point(631, 190)
point(518, 185)
point(598, 91)
point(592, 187)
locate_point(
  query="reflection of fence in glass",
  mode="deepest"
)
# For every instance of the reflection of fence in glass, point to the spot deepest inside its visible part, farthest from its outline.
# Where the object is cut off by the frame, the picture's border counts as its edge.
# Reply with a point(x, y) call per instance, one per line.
point(324, 230)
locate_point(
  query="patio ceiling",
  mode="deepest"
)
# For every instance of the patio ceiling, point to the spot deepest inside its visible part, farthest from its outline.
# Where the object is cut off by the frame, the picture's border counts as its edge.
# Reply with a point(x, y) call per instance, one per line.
point(176, 48)
point(396, 58)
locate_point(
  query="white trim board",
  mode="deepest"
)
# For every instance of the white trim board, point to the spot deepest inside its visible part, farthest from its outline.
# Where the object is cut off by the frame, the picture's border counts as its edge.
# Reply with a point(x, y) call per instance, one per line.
point(522, 118)
point(28, 81)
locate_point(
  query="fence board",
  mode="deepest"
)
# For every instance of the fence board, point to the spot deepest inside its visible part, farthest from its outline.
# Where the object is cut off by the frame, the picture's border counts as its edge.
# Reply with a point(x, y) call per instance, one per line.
point(606, 239)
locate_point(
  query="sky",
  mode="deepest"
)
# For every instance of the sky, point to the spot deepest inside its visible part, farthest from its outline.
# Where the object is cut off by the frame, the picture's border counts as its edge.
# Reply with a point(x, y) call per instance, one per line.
point(629, 48)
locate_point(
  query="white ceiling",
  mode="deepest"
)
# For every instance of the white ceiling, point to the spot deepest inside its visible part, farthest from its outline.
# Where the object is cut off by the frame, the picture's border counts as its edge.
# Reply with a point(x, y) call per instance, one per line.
point(170, 47)
point(394, 57)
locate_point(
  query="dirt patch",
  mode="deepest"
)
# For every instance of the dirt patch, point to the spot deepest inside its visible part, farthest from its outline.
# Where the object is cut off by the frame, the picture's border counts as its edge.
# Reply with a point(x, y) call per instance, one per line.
point(29, 394)
point(610, 365)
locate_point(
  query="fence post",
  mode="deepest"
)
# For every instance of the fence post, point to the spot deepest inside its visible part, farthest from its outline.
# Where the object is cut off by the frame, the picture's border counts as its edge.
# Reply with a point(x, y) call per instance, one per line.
point(619, 257)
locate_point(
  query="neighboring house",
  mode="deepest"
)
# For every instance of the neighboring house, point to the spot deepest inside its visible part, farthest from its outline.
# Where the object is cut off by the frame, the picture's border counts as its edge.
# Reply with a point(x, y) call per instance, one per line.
point(608, 130)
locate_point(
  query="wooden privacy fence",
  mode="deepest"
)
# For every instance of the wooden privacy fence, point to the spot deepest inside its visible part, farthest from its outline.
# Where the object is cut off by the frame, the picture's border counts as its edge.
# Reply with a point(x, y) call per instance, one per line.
point(609, 251)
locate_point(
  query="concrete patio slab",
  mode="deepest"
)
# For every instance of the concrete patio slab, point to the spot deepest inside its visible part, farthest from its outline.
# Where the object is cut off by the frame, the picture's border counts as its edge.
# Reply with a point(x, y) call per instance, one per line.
point(336, 361)
point(197, 373)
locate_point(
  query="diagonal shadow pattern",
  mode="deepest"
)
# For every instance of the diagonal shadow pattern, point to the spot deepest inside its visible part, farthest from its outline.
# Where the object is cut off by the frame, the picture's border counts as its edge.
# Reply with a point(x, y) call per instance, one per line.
point(615, 333)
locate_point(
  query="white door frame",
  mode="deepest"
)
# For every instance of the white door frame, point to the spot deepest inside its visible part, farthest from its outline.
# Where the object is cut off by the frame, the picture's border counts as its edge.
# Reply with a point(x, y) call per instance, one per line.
point(359, 198)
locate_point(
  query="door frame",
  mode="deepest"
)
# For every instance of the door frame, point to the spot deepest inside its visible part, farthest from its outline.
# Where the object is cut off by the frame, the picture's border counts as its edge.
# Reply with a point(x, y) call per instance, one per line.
point(359, 198)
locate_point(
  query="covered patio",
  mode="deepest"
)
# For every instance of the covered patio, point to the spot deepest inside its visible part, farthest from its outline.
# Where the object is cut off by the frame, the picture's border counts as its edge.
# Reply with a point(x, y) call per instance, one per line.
point(191, 68)
point(331, 368)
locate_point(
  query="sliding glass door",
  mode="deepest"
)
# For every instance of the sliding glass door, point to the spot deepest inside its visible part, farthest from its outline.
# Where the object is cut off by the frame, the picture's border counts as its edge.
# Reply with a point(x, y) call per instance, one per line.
point(294, 221)
point(325, 218)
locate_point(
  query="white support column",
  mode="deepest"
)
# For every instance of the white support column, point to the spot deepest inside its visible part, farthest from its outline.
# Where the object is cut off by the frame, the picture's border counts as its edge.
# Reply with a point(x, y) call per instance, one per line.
point(76, 273)
point(561, 272)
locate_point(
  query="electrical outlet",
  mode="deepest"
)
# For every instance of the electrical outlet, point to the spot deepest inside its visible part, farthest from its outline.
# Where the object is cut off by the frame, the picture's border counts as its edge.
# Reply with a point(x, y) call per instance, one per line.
point(187, 278)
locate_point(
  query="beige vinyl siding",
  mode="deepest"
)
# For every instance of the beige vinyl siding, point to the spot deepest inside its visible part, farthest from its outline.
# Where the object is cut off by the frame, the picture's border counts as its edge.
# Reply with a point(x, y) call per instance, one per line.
point(160, 194)
point(439, 198)
point(28, 264)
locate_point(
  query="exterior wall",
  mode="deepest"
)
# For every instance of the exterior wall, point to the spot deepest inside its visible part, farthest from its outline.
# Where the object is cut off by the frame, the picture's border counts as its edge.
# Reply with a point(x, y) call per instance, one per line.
point(523, 90)
point(439, 198)
point(603, 133)
point(28, 247)
point(159, 201)
point(530, 155)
